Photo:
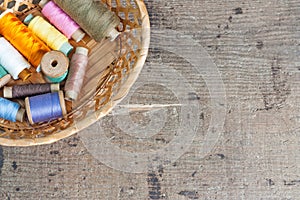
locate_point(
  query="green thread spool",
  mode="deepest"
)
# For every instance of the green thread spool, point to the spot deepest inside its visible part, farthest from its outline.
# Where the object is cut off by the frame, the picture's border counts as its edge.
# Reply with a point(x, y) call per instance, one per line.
point(93, 17)
point(3, 72)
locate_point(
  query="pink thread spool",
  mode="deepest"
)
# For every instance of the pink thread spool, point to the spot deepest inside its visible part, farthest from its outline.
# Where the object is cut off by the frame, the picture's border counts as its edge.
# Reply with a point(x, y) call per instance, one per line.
point(76, 75)
point(61, 20)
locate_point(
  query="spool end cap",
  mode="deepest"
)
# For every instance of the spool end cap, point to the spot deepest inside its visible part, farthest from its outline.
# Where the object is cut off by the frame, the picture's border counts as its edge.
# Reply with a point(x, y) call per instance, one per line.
point(113, 34)
point(71, 96)
point(4, 80)
point(25, 74)
point(55, 87)
point(20, 115)
point(82, 50)
point(7, 92)
point(66, 48)
point(28, 19)
point(78, 35)
point(43, 3)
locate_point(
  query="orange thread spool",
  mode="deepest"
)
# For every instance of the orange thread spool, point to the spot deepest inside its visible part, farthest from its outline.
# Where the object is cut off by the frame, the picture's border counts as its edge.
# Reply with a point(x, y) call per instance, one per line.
point(29, 45)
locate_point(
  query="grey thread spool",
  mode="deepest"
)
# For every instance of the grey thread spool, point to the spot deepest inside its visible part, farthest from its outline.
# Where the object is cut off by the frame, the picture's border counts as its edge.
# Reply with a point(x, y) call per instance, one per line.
point(93, 17)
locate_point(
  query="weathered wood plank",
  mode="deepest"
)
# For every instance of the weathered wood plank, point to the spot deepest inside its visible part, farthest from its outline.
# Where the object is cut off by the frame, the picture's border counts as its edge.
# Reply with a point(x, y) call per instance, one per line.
point(255, 45)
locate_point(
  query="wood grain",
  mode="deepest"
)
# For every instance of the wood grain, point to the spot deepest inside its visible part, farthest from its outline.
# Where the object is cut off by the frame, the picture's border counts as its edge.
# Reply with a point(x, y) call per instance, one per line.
point(255, 45)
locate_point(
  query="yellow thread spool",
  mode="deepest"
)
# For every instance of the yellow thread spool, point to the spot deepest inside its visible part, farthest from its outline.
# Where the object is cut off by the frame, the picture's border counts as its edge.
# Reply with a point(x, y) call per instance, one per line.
point(48, 33)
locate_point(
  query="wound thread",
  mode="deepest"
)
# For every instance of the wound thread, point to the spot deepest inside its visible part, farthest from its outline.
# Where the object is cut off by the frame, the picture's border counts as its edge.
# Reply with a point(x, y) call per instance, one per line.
point(21, 91)
point(45, 107)
point(93, 17)
point(29, 45)
point(49, 34)
point(11, 111)
point(62, 21)
point(76, 75)
point(14, 66)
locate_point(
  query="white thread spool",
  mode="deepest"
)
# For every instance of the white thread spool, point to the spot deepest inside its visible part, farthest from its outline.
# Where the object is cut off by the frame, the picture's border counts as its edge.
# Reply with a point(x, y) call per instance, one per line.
point(14, 63)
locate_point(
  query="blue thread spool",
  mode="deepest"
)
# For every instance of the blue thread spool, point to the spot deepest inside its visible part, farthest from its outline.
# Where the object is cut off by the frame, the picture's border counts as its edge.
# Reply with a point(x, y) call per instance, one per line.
point(54, 66)
point(11, 111)
point(45, 107)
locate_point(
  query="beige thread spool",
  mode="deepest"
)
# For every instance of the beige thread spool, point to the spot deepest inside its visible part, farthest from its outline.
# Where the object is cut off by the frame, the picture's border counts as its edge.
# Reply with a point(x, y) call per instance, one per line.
point(54, 66)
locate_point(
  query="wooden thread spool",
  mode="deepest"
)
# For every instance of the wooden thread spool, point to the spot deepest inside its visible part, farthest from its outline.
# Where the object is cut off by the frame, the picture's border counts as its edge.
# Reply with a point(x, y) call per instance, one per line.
point(29, 104)
point(11, 111)
point(20, 91)
point(60, 19)
point(54, 66)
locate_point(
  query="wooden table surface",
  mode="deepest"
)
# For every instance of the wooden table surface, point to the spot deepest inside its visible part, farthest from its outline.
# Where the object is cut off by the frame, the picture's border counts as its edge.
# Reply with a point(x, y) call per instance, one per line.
point(254, 47)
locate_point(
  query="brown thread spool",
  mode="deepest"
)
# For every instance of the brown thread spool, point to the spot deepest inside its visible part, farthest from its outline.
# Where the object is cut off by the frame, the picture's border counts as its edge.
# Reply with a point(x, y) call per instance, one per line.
point(54, 66)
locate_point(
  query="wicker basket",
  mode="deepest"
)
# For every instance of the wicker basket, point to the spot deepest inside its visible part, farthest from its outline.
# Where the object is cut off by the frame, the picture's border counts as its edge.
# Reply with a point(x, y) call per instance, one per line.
point(114, 67)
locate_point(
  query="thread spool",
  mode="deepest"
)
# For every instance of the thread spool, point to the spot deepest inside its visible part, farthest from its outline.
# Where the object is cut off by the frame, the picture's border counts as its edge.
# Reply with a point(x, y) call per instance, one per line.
point(55, 66)
point(11, 111)
point(45, 107)
point(93, 17)
point(20, 91)
point(4, 77)
point(61, 20)
point(76, 75)
point(18, 34)
point(48, 33)
point(13, 62)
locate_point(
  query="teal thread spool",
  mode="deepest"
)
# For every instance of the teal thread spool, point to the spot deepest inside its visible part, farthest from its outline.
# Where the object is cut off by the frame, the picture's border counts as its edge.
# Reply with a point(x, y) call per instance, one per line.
point(54, 66)
point(4, 77)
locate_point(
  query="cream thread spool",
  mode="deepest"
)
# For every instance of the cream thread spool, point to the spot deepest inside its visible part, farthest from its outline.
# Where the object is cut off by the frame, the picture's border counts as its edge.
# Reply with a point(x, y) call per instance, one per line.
point(54, 66)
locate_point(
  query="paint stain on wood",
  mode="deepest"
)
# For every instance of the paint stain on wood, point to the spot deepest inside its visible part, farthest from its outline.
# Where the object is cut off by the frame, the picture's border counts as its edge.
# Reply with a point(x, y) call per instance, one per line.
point(291, 183)
point(238, 11)
point(1, 159)
point(154, 186)
point(276, 93)
point(270, 182)
point(189, 194)
point(259, 45)
point(14, 165)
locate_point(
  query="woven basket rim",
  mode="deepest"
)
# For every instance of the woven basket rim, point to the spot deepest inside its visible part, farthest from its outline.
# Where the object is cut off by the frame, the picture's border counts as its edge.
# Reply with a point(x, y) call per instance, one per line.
point(92, 118)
